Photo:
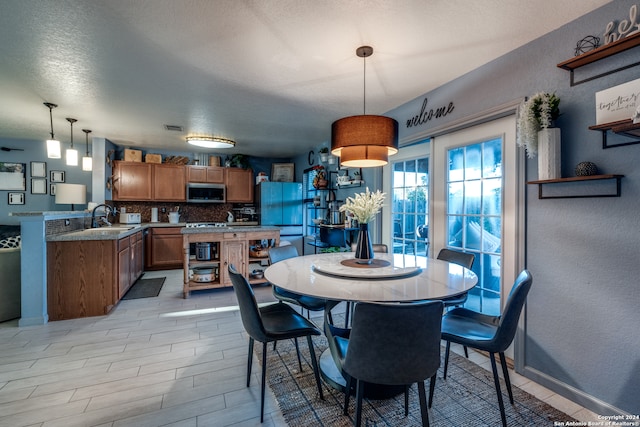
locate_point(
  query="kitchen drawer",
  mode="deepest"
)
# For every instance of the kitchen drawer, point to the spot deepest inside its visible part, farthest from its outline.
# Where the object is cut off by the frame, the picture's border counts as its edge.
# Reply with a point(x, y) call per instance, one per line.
point(234, 235)
point(123, 243)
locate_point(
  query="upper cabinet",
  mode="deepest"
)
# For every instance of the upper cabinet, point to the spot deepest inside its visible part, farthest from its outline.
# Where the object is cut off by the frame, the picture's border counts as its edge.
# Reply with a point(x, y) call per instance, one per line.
point(136, 181)
point(132, 181)
point(169, 183)
point(165, 182)
point(239, 185)
point(206, 174)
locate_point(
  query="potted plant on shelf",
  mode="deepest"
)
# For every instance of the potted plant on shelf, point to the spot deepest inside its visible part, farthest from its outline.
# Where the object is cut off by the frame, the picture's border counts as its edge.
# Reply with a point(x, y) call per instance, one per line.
point(324, 154)
point(537, 134)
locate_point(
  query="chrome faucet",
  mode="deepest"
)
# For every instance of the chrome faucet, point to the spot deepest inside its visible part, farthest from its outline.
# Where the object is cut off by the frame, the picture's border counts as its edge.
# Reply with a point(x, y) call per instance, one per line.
point(105, 219)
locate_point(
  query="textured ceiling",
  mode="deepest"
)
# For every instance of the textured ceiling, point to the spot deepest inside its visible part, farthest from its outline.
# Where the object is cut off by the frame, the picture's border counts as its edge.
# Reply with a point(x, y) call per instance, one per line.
point(271, 74)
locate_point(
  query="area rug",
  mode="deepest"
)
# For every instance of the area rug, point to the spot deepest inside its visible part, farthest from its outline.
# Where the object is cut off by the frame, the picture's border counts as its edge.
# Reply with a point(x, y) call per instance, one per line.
point(466, 398)
point(145, 288)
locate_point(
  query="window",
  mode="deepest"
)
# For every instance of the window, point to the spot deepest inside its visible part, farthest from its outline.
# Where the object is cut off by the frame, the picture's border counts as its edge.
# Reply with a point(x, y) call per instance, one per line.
point(409, 207)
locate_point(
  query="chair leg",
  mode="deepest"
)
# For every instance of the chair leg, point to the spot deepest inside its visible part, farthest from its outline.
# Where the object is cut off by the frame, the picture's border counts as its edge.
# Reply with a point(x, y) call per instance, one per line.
point(496, 379)
point(359, 395)
point(423, 404)
point(330, 317)
point(347, 394)
point(264, 378)
point(505, 372)
point(432, 389)
point(466, 352)
point(406, 400)
point(298, 353)
point(346, 314)
point(314, 363)
point(446, 358)
point(250, 359)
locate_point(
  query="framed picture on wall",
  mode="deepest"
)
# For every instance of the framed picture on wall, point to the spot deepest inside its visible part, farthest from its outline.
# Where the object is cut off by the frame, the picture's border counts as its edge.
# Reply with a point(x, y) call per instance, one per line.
point(38, 186)
point(38, 170)
point(13, 176)
point(16, 198)
point(57, 176)
point(282, 172)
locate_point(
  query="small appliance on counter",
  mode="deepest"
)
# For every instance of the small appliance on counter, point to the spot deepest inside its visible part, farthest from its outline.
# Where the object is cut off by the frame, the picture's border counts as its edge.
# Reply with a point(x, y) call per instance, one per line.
point(130, 218)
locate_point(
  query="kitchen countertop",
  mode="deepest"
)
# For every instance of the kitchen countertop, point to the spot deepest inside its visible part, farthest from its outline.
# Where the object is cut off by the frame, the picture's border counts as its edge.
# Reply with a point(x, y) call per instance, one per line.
point(118, 231)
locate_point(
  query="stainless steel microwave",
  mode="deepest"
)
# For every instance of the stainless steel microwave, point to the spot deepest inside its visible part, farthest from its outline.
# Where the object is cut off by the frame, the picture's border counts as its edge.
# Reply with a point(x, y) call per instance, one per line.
point(206, 193)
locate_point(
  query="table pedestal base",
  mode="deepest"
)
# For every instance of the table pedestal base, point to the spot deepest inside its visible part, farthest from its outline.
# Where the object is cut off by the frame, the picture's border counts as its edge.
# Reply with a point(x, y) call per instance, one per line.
point(332, 376)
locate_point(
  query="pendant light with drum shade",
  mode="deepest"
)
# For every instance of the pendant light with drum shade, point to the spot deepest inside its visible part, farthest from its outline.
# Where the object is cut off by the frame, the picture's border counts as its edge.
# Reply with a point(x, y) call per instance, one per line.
point(53, 145)
point(71, 154)
point(87, 161)
point(365, 140)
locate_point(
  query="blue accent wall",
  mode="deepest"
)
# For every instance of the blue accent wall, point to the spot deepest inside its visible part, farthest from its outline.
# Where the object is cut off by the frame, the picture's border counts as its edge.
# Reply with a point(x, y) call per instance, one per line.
point(582, 318)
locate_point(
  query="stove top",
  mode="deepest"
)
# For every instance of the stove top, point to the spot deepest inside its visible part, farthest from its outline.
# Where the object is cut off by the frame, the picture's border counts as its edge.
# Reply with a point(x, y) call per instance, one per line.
point(205, 224)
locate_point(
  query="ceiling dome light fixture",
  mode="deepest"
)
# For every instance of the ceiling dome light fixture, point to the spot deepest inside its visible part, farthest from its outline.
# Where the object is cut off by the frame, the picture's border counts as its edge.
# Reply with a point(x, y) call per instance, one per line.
point(53, 145)
point(71, 154)
point(87, 161)
point(366, 140)
point(210, 142)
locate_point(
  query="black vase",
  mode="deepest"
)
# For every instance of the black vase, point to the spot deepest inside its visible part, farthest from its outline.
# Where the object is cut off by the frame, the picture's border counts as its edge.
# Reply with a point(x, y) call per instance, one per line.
point(364, 248)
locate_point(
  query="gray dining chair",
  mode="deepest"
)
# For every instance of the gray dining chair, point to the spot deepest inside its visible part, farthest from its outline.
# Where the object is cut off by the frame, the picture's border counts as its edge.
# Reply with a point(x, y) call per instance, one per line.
point(394, 345)
point(281, 253)
point(492, 334)
point(271, 323)
point(464, 259)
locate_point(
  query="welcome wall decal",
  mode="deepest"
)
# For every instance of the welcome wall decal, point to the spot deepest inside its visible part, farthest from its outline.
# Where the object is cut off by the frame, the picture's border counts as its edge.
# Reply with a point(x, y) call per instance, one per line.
point(426, 115)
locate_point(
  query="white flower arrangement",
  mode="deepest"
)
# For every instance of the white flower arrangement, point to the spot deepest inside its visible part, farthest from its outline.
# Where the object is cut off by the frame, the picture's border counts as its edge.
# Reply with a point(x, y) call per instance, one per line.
point(534, 114)
point(364, 206)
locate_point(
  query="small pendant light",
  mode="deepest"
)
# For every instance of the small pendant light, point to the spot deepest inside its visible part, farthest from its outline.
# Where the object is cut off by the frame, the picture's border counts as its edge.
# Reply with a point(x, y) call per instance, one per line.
point(71, 154)
point(53, 145)
point(87, 161)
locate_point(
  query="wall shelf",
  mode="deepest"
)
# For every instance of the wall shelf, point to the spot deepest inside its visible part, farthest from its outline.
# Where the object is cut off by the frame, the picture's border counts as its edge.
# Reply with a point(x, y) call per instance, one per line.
point(621, 127)
point(541, 183)
point(598, 54)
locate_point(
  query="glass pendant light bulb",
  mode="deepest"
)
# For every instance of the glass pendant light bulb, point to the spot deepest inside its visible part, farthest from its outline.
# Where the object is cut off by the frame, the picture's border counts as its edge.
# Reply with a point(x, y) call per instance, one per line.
point(87, 161)
point(71, 154)
point(53, 145)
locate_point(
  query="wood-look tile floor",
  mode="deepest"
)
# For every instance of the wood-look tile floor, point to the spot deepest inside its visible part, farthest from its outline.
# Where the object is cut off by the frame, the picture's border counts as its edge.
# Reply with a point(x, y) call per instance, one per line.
point(164, 361)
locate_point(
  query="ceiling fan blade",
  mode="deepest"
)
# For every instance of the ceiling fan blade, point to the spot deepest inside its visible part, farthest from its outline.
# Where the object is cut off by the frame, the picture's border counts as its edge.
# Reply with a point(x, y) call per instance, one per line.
point(10, 149)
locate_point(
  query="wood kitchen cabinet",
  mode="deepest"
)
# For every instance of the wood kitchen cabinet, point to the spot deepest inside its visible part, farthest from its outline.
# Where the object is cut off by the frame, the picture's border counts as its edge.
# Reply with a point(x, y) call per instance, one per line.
point(89, 277)
point(233, 248)
point(136, 181)
point(239, 184)
point(233, 253)
point(163, 248)
point(206, 174)
point(132, 181)
point(169, 183)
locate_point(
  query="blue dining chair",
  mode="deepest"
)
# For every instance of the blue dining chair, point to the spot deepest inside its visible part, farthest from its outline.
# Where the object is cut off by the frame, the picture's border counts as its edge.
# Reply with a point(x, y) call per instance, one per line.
point(493, 334)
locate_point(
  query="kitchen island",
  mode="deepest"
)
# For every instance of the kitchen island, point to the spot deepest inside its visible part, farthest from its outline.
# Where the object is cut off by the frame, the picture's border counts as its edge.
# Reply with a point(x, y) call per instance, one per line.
point(222, 246)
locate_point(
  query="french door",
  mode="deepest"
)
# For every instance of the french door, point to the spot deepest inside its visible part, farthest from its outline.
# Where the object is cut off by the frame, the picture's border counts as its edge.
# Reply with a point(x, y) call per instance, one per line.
point(475, 206)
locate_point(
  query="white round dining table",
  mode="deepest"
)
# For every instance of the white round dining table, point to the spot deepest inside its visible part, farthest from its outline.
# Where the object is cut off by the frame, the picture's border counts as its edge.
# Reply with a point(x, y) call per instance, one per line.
point(335, 276)
point(406, 278)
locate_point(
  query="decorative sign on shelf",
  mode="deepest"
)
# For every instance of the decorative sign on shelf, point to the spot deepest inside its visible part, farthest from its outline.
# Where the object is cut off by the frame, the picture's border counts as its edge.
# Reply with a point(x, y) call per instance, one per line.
point(426, 115)
point(624, 29)
point(618, 102)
